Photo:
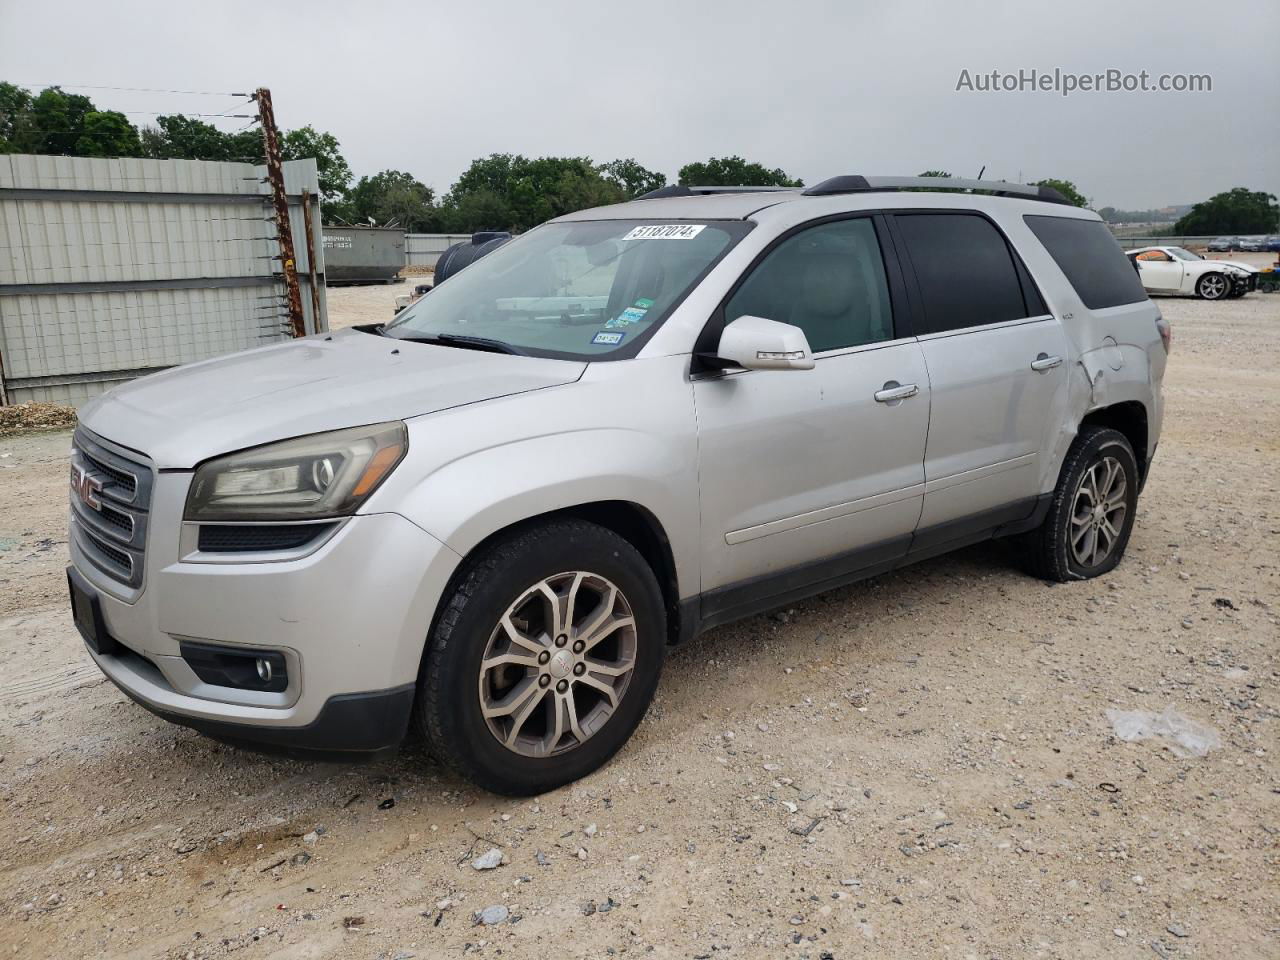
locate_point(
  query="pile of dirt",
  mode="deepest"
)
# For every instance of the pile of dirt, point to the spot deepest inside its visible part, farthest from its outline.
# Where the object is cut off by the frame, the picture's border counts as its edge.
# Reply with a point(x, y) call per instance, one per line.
point(26, 417)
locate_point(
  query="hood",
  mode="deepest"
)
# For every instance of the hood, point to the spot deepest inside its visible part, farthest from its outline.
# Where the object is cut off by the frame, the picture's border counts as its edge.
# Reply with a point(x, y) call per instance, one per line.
point(1246, 267)
point(185, 415)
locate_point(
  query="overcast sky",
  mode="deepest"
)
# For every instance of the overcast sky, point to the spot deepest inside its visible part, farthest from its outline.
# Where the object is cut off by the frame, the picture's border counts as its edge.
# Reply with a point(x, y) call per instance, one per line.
point(818, 88)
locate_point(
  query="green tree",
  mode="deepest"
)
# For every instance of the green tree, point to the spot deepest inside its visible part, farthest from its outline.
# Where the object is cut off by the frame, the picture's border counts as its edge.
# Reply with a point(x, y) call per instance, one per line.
point(509, 191)
point(1238, 210)
point(108, 134)
point(392, 196)
point(15, 117)
point(734, 172)
point(178, 137)
point(480, 209)
point(934, 173)
point(307, 142)
point(1067, 189)
point(632, 178)
point(54, 122)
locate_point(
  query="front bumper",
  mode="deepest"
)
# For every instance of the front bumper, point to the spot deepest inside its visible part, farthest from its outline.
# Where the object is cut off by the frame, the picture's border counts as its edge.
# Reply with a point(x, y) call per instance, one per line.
point(350, 619)
point(1242, 284)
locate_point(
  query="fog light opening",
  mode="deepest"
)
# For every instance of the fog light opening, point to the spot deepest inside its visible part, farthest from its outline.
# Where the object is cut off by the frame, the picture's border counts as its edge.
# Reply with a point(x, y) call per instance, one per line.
point(264, 670)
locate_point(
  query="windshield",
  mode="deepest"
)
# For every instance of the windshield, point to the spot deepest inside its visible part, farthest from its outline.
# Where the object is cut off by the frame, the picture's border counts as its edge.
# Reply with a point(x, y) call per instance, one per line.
point(587, 290)
point(1184, 254)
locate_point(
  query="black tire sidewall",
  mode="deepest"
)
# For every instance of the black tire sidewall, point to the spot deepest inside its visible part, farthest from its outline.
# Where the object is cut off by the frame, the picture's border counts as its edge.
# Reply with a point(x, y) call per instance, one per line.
point(459, 729)
point(1102, 444)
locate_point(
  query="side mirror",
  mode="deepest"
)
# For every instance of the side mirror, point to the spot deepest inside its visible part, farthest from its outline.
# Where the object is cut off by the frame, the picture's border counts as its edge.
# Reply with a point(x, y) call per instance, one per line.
point(755, 343)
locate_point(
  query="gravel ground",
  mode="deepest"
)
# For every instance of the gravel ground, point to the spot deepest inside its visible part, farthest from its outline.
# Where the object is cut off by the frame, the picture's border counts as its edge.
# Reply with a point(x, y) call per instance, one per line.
point(918, 766)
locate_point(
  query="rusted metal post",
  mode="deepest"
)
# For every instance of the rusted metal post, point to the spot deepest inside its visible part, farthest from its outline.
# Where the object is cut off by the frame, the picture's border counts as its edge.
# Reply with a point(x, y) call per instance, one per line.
point(275, 176)
point(311, 260)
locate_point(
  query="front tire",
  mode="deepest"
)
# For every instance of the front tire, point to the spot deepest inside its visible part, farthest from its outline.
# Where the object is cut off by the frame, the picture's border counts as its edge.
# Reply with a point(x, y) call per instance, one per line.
point(544, 659)
point(1090, 518)
point(1213, 286)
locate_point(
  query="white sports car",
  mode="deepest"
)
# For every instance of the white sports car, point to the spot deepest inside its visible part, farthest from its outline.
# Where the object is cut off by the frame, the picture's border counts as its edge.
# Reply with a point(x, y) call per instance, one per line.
point(1173, 270)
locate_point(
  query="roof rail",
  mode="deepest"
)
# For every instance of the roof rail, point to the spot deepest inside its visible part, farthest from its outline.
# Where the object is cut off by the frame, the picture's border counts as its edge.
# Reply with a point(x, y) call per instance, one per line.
point(858, 184)
point(680, 190)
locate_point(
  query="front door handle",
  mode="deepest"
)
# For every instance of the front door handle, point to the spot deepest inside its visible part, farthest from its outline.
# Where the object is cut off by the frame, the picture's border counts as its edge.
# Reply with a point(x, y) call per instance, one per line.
point(1045, 362)
point(893, 391)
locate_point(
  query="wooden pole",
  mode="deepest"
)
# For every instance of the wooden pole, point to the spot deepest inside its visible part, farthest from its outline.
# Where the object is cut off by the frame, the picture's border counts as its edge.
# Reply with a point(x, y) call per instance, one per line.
point(280, 200)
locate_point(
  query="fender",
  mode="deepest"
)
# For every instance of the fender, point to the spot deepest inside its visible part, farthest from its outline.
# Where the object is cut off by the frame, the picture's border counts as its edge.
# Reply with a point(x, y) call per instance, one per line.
point(1109, 375)
point(473, 471)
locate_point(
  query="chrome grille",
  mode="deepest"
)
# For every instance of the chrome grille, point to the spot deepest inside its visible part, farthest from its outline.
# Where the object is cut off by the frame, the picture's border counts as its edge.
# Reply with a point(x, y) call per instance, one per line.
point(112, 534)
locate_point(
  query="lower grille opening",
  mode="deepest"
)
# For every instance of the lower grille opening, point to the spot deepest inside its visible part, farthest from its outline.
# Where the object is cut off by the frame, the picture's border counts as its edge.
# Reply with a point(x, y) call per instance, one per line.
point(238, 667)
point(258, 538)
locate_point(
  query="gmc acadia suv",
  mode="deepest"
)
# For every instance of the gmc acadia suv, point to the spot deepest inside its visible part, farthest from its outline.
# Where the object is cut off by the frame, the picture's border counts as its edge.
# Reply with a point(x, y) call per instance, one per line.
point(489, 518)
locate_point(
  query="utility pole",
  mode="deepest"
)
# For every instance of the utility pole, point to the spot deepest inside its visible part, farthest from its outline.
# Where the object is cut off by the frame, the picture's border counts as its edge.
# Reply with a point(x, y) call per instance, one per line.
point(275, 176)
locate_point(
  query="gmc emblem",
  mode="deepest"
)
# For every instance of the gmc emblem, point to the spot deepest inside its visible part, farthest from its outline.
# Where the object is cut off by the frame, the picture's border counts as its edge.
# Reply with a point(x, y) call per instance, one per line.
point(86, 486)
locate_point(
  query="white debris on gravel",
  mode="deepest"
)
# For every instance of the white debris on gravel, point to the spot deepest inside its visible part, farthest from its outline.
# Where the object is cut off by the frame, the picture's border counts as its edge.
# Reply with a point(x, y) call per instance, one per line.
point(1184, 737)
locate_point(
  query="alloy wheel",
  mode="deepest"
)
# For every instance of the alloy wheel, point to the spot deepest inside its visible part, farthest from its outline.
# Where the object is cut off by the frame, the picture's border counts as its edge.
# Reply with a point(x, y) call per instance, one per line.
point(1098, 512)
point(1213, 287)
point(557, 664)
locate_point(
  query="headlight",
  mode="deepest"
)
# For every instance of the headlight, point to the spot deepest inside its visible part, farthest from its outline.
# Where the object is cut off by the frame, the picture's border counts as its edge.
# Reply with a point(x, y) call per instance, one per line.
point(322, 475)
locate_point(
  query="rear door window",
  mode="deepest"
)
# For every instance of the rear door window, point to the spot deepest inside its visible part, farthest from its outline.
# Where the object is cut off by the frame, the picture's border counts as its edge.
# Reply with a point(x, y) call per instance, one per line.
point(1091, 258)
point(967, 274)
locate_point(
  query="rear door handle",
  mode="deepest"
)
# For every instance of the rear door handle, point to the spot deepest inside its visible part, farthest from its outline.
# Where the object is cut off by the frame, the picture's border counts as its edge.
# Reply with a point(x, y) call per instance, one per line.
point(1045, 362)
point(894, 391)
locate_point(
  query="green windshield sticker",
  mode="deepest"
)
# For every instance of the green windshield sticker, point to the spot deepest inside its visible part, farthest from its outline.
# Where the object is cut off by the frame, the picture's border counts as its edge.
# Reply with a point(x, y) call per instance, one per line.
point(627, 317)
point(644, 303)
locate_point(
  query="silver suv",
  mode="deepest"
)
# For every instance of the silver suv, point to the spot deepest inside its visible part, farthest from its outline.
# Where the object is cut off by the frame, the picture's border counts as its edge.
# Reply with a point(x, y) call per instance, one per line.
point(488, 519)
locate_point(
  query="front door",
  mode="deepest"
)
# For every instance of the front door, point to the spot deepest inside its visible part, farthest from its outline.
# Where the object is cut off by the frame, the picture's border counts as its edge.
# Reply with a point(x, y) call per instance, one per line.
point(1159, 271)
point(806, 475)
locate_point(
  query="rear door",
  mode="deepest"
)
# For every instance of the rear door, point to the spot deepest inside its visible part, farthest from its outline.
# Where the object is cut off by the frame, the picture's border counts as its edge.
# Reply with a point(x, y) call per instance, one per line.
point(997, 374)
point(813, 474)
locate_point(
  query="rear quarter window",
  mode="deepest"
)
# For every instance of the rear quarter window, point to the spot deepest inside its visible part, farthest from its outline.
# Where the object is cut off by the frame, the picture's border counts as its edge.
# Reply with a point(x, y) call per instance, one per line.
point(1091, 258)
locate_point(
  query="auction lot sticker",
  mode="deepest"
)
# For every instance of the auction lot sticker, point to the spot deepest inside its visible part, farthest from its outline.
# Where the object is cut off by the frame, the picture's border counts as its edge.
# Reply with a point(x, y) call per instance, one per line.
point(666, 231)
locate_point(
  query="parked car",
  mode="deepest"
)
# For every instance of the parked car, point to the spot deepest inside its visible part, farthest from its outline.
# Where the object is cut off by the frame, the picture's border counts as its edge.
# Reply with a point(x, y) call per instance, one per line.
point(1175, 271)
point(488, 519)
point(1273, 244)
point(1252, 244)
point(1223, 244)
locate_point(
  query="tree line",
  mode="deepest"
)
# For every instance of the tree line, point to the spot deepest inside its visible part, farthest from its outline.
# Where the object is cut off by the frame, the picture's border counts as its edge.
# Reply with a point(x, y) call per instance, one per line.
point(501, 191)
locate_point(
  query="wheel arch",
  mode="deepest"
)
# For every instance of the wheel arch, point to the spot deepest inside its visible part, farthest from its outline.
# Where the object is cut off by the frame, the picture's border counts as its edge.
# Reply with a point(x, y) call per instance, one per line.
point(1129, 417)
point(635, 523)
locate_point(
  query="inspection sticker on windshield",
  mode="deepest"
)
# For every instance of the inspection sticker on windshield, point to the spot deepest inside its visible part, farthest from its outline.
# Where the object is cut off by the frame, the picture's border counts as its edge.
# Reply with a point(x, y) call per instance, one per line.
point(608, 337)
point(627, 317)
point(666, 231)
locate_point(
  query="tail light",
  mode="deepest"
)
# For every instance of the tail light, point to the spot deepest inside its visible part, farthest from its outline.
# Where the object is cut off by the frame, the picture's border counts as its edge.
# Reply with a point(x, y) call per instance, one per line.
point(1166, 332)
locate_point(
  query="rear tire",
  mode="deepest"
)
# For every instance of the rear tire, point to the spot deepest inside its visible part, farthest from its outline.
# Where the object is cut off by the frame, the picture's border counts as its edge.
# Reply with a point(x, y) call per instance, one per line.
point(1091, 516)
point(525, 712)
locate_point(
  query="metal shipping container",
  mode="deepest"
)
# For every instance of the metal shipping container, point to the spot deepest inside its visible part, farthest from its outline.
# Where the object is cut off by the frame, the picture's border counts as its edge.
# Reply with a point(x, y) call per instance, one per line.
point(363, 254)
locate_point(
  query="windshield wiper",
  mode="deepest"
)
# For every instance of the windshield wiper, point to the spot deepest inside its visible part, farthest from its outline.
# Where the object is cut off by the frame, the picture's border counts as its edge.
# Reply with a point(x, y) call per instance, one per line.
point(468, 342)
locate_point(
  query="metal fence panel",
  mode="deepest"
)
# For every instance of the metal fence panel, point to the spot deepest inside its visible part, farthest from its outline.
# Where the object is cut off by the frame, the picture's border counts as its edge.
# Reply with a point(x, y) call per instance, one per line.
point(1132, 243)
point(110, 268)
point(424, 249)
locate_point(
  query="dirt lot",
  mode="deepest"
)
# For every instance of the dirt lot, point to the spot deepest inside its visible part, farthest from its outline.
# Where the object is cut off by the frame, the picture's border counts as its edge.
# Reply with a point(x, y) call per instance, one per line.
point(919, 766)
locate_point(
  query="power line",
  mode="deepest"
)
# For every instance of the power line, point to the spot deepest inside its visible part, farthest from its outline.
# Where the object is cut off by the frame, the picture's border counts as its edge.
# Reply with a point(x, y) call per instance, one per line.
point(90, 86)
point(159, 113)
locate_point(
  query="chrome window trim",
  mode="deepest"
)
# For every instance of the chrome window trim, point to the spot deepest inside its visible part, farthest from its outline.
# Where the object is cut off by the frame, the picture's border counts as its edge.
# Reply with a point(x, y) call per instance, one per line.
point(1000, 325)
